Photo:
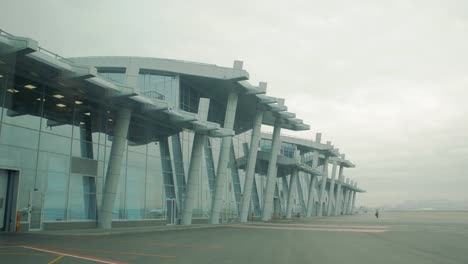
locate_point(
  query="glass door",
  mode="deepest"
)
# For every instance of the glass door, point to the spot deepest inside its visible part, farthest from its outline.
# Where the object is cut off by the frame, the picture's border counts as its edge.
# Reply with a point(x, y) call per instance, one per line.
point(171, 212)
point(36, 210)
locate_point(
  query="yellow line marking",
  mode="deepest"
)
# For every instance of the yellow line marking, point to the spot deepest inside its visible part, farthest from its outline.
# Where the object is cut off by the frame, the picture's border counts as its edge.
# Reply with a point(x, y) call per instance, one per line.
point(56, 259)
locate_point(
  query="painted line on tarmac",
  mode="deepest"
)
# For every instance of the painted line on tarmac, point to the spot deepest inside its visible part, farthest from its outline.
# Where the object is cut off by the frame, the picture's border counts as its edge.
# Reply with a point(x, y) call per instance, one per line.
point(25, 254)
point(323, 226)
point(100, 260)
point(122, 252)
point(316, 229)
point(164, 244)
point(56, 259)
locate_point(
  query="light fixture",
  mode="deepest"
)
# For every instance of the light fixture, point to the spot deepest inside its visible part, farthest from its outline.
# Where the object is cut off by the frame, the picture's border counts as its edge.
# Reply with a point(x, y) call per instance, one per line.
point(81, 123)
point(13, 90)
point(59, 96)
point(78, 102)
point(40, 99)
point(1, 76)
point(60, 105)
point(110, 119)
point(87, 113)
point(30, 86)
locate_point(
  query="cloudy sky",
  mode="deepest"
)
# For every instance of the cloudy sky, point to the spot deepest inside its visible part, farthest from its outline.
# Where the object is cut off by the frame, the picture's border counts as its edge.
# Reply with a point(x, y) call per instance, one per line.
point(385, 81)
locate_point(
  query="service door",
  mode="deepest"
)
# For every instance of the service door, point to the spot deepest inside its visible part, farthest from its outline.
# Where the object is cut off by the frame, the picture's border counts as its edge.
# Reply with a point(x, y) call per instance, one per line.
point(3, 196)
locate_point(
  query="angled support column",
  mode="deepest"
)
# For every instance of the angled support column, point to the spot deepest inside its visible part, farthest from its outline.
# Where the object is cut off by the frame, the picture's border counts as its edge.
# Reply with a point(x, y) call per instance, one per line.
point(250, 170)
point(313, 180)
point(331, 193)
point(223, 160)
point(324, 184)
point(300, 195)
point(292, 187)
point(346, 197)
point(272, 171)
point(338, 196)
point(354, 199)
point(195, 165)
point(121, 125)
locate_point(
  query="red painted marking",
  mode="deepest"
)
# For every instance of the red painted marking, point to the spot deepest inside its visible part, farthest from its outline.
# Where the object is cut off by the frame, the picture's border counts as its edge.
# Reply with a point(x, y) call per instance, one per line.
point(100, 260)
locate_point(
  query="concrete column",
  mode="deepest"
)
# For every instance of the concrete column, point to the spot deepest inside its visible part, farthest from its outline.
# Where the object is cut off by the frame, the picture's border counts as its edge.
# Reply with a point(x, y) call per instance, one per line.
point(195, 165)
point(354, 199)
point(313, 180)
point(349, 198)
point(331, 195)
point(250, 170)
point(223, 160)
point(324, 184)
point(271, 174)
point(292, 187)
point(339, 192)
point(121, 124)
point(346, 197)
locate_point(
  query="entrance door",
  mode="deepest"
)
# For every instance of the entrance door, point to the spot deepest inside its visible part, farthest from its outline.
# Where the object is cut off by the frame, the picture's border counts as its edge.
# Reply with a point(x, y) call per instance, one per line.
point(36, 202)
point(171, 212)
point(3, 197)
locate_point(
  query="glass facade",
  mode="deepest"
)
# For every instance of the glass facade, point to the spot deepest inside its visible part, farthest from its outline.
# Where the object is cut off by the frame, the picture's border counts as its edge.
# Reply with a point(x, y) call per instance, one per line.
point(61, 145)
point(287, 149)
point(157, 85)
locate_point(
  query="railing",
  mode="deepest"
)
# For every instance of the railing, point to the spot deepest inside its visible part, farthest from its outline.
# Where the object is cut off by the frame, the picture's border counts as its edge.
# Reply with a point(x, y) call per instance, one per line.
point(153, 95)
point(3, 32)
point(55, 55)
point(289, 135)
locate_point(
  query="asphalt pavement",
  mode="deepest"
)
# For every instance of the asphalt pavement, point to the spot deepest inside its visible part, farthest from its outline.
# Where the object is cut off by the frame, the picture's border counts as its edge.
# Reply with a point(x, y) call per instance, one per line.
point(396, 237)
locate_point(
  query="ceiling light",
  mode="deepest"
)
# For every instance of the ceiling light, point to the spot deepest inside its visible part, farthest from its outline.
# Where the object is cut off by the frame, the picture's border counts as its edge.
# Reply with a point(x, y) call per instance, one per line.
point(81, 123)
point(13, 90)
point(60, 105)
point(110, 119)
point(40, 99)
point(78, 102)
point(87, 113)
point(30, 86)
point(1, 76)
point(59, 96)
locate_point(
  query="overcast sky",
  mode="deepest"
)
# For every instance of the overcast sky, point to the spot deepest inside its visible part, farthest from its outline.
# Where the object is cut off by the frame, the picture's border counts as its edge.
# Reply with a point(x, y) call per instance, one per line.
point(385, 81)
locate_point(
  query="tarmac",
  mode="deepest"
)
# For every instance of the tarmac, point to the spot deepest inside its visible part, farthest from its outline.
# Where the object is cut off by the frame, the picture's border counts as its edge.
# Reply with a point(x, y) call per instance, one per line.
point(396, 237)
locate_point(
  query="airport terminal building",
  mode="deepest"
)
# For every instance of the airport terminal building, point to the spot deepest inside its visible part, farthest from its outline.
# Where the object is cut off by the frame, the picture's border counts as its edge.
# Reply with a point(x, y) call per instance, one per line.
point(106, 142)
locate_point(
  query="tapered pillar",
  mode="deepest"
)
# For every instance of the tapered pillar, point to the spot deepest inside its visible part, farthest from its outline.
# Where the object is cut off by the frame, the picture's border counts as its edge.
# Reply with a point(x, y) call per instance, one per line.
point(292, 188)
point(121, 124)
point(331, 193)
point(313, 180)
point(354, 199)
point(271, 173)
point(324, 184)
point(346, 198)
point(250, 170)
point(195, 165)
point(223, 160)
point(338, 196)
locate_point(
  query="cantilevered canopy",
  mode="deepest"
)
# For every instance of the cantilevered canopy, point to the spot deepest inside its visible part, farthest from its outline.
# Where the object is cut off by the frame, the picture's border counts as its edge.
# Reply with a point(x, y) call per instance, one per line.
point(75, 82)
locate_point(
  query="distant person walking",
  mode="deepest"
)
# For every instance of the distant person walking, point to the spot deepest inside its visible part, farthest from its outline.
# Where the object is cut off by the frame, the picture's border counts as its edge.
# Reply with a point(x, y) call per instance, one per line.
point(377, 213)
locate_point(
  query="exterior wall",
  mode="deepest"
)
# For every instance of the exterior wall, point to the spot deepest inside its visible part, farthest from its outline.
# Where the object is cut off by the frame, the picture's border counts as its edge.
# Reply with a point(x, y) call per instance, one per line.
point(47, 154)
